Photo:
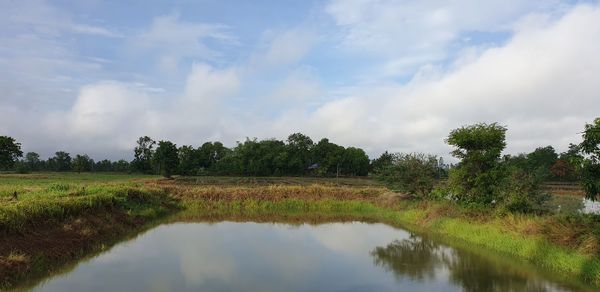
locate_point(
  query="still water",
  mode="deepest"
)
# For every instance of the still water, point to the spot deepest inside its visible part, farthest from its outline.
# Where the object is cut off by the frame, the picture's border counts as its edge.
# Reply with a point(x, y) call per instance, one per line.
point(230, 256)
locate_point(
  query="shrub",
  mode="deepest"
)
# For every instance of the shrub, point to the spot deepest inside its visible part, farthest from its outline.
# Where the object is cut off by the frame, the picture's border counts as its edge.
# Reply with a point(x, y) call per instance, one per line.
point(522, 193)
point(413, 173)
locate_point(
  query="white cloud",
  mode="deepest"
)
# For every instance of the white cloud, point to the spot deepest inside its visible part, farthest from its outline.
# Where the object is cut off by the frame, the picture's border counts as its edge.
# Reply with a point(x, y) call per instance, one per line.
point(109, 110)
point(414, 32)
point(540, 84)
point(300, 86)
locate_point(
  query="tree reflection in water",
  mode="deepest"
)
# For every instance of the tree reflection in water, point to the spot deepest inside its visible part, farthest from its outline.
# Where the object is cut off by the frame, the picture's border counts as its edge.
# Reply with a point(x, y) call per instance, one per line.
point(420, 259)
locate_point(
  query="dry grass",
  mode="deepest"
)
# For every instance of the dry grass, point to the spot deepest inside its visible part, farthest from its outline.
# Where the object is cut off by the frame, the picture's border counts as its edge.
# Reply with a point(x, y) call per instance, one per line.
point(267, 192)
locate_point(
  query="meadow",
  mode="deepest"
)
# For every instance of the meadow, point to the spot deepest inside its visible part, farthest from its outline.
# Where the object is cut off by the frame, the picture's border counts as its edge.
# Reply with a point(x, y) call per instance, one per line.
point(57, 218)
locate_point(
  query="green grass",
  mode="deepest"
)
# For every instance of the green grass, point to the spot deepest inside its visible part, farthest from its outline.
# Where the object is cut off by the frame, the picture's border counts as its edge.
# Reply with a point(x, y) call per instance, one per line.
point(51, 197)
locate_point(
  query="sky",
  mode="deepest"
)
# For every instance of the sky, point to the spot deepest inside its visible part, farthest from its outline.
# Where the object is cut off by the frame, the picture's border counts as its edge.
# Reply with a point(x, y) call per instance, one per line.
point(92, 76)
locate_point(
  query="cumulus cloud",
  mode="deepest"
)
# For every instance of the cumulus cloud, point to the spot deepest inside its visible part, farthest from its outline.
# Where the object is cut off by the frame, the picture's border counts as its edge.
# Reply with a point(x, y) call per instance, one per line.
point(540, 84)
point(415, 32)
point(109, 111)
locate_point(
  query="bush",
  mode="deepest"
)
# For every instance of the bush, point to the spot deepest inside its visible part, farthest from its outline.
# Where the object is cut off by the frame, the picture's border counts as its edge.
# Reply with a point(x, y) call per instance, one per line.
point(413, 173)
point(522, 193)
point(22, 168)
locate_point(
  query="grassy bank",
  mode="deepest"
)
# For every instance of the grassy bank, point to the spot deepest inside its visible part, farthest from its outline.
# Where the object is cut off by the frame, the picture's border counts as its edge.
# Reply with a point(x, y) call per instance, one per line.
point(85, 213)
point(505, 236)
point(56, 221)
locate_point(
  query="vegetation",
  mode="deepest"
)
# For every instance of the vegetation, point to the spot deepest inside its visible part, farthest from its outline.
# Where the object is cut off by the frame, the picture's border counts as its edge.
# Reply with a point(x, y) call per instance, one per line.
point(10, 151)
point(165, 158)
point(413, 173)
point(590, 173)
point(489, 200)
point(478, 177)
point(561, 243)
point(298, 157)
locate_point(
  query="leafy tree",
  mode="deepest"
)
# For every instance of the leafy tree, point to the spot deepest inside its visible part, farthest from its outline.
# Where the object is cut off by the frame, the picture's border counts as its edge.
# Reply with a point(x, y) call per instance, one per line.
point(61, 161)
point(328, 156)
point(590, 169)
point(10, 151)
point(189, 160)
point(21, 167)
point(382, 164)
point(32, 160)
point(258, 158)
point(413, 173)
point(355, 162)
point(210, 153)
point(478, 177)
point(143, 154)
point(540, 161)
point(121, 166)
point(165, 158)
point(103, 165)
point(521, 191)
point(299, 153)
point(562, 170)
point(82, 163)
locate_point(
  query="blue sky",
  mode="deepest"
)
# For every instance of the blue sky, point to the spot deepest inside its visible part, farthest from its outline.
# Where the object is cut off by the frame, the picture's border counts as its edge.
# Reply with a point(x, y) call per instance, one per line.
point(92, 76)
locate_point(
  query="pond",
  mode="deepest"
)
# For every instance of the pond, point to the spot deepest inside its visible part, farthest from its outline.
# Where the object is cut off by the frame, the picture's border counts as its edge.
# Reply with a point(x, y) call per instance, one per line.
point(233, 256)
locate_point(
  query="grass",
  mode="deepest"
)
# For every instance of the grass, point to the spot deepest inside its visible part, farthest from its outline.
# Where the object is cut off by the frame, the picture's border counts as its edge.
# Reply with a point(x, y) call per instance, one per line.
point(565, 244)
point(58, 218)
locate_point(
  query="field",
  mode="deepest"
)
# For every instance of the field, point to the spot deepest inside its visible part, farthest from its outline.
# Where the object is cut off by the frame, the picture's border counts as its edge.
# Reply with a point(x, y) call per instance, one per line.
point(58, 218)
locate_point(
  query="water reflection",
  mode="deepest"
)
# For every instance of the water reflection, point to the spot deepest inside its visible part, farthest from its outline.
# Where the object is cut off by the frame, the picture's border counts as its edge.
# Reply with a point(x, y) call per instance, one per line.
point(232, 256)
point(420, 259)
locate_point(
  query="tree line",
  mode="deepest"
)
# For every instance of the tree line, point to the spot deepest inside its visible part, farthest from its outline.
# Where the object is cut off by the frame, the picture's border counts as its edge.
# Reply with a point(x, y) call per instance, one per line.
point(485, 178)
point(296, 156)
point(482, 176)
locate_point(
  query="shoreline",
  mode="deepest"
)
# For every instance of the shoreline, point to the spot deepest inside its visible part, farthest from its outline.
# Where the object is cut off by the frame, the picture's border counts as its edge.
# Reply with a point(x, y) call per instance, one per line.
point(134, 210)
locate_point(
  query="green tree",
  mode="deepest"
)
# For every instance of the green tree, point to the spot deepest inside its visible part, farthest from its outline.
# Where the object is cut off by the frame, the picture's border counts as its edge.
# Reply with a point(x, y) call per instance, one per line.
point(478, 177)
point(413, 173)
point(540, 160)
point(121, 166)
point(299, 150)
point(355, 162)
point(328, 156)
point(383, 164)
point(590, 168)
point(61, 161)
point(165, 158)
point(32, 160)
point(188, 160)
point(10, 151)
point(103, 165)
point(142, 161)
point(82, 163)
point(210, 153)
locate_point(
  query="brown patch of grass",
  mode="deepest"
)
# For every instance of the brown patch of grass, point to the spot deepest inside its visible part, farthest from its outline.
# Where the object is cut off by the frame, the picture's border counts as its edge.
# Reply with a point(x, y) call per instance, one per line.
point(268, 192)
point(52, 246)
